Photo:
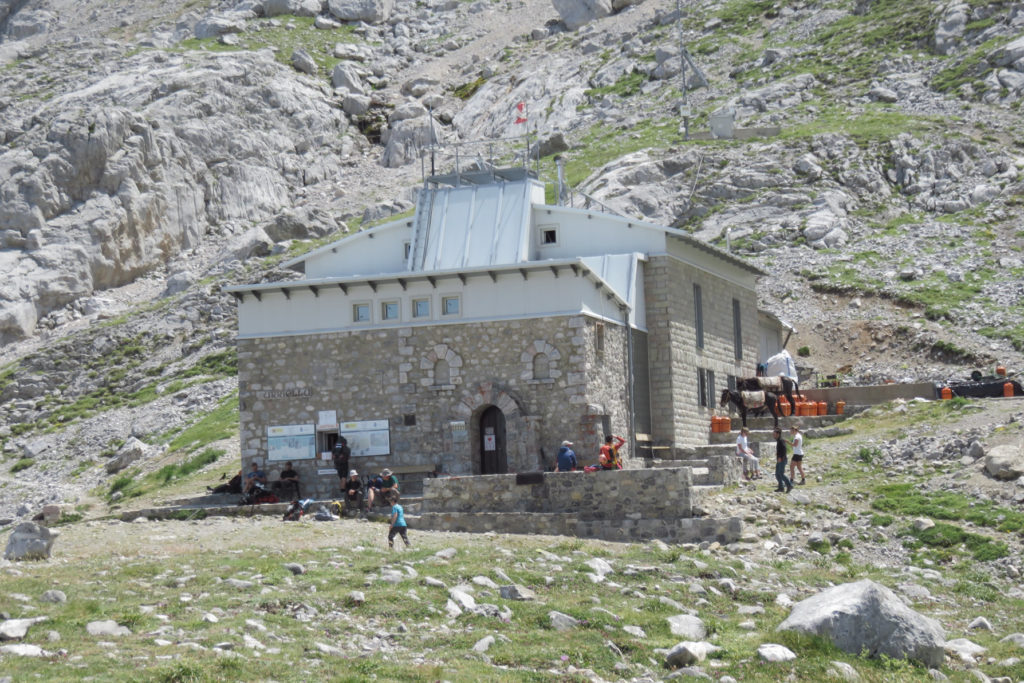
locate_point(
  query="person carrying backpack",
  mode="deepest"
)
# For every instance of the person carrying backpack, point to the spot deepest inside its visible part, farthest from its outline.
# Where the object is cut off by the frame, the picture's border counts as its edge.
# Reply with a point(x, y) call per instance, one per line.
point(609, 458)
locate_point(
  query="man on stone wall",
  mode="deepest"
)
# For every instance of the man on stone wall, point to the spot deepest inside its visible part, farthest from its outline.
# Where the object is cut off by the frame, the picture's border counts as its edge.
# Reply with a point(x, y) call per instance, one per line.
point(566, 458)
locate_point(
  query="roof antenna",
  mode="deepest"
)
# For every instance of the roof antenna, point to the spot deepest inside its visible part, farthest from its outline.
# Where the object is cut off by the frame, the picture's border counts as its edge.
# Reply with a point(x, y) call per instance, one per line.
point(685, 60)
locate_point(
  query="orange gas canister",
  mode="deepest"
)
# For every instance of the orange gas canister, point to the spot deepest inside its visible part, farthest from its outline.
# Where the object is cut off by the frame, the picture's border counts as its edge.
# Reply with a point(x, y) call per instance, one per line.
point(1001, 371)
point(715, 424)
point(725, 424)
point(840, 407)
point(946, 393)
point(822, 408)
point(784, 406)
point(1008, 389)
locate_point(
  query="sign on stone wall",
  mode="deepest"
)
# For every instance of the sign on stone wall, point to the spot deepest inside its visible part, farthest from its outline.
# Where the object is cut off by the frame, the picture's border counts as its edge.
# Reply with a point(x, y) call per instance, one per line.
point(291, 442)
point(370, 437)
point(459, 432)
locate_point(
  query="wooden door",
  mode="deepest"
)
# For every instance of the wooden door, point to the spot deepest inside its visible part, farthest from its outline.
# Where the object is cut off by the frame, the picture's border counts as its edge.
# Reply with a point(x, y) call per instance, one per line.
point(493, 459)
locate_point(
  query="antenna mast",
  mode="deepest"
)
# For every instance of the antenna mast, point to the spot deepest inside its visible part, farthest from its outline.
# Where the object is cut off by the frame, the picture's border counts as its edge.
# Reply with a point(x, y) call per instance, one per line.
point(685, 60)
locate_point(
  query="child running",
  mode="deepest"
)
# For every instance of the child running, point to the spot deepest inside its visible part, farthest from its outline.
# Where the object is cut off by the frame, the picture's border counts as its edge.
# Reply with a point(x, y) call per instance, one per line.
point(398, 525)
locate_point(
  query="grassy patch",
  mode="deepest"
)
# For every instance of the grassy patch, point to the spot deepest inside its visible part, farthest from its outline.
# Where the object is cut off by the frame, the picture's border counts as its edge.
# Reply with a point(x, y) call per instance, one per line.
point(22, 464)
point(626, 86)
point(907, 500)
point(467, 90)
point(292, 33)
point(131, 486)
point(219, 423)
point(946, 538)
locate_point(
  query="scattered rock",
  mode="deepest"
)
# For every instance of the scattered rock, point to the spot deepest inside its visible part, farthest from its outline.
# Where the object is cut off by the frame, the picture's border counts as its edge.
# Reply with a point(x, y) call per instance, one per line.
point(868, 617)
point(29, 541)
point(772, 652)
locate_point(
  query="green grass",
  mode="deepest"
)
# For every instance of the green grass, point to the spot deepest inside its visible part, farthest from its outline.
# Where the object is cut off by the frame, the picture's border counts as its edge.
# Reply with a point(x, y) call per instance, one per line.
point(945, 538)
point(219, 423)
point(905, 499)
point(627, 86)
point(22, 465)
point(132, 486)
point(295, 32)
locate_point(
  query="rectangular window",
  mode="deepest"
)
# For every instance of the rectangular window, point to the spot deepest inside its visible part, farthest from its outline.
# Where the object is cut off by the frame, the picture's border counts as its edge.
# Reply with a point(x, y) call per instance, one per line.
point(389, 310)
point(408, 247)
point(711, 387)
point(449, 305)
point(360, 313)
point(698, 316)
point(599, 338)
point(421, 308)
point(731, 382)
point(737, 330)
point(548, 235)
point(702, 388)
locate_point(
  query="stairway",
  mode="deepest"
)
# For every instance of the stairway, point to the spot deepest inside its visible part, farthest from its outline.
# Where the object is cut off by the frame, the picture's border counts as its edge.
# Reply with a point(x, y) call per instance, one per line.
point(715, 465)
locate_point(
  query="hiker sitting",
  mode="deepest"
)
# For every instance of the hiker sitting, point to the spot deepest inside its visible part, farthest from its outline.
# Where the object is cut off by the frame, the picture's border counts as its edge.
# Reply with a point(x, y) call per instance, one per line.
point(353, 490)
point(380, 487)
point(234, 485)
point(288, 482)
point(255, 476)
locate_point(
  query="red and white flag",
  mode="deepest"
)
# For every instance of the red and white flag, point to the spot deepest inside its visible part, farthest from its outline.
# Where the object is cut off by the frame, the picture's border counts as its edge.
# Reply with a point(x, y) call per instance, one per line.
point(520, 112)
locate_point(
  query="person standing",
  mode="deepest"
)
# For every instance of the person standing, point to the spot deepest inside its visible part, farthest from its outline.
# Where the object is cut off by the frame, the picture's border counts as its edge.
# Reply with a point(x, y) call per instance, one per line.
point(797, 442)
point(609, 458)
point(340, 454)
point(751, 465)
point(398, 525)
point(566, 458)
point(785, 485)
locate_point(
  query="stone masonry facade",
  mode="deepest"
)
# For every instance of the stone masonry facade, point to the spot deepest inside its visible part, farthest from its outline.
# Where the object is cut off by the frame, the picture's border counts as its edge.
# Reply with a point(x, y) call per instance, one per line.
point(427, 380)
point(622, 505)
point(677, 417)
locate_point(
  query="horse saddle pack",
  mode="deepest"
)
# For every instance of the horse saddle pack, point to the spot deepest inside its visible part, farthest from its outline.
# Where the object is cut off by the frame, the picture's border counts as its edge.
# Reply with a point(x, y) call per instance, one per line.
point(753, 399)
point(771, 383)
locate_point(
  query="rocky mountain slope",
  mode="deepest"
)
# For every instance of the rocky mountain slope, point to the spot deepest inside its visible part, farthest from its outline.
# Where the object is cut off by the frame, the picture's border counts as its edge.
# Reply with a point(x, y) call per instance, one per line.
point(154, 152)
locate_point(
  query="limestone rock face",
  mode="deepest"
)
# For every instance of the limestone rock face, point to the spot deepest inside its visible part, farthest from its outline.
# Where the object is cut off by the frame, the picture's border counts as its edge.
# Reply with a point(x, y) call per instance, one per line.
point(29, 541)
point(868, 616)
point(117, 178)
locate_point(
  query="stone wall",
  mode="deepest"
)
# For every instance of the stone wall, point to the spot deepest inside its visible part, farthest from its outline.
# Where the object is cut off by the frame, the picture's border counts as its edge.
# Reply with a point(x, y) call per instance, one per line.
point(390, 374)
point(677, 417)
point(617, 494)
point(623, 505)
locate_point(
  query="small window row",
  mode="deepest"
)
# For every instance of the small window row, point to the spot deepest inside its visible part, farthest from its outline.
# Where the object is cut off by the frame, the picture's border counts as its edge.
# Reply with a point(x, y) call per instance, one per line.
point(391, 310)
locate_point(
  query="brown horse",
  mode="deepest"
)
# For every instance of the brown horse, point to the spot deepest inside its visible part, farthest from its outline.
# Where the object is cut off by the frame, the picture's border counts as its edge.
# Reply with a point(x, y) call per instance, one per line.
point(771, 401)
point(761, 383)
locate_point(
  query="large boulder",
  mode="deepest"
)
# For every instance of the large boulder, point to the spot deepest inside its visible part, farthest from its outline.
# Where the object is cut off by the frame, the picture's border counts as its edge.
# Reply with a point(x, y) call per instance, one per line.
point(576, 13)
point(132, 450)
point(1005, 462)
point(29, 541)
point(867, 617)
point(300, 8)
point(370, 11)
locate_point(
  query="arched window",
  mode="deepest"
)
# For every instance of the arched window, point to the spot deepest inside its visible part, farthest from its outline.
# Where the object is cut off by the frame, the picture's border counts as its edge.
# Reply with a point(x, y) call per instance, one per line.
point(541, 366)
point(442, 373)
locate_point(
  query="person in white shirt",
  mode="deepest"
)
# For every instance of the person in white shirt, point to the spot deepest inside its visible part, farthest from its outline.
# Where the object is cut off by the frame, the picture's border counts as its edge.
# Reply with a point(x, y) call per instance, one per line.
point(797, 461)
point(751, 466)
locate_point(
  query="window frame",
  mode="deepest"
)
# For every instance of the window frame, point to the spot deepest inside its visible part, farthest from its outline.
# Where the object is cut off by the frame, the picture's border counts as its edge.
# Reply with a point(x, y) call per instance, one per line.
point(698, 315)
point(543, 231)
point(737, 329)
point(384, 310)
point(356, 305)
point(444, 305)
point(421, 300)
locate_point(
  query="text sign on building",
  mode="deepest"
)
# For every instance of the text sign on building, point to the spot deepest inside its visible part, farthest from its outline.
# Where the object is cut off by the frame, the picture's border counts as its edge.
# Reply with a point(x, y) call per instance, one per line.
point(291, 442)
point(370, 437)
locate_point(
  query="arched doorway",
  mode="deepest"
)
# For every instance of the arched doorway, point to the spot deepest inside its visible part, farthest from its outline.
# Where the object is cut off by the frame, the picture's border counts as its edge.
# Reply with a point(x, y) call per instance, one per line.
point(493, 458)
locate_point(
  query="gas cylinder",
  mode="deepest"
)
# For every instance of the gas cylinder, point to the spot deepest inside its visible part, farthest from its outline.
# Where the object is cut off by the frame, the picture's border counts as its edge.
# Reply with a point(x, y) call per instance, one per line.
point(1008, 389)
point(946, 393)
point(840, 407)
